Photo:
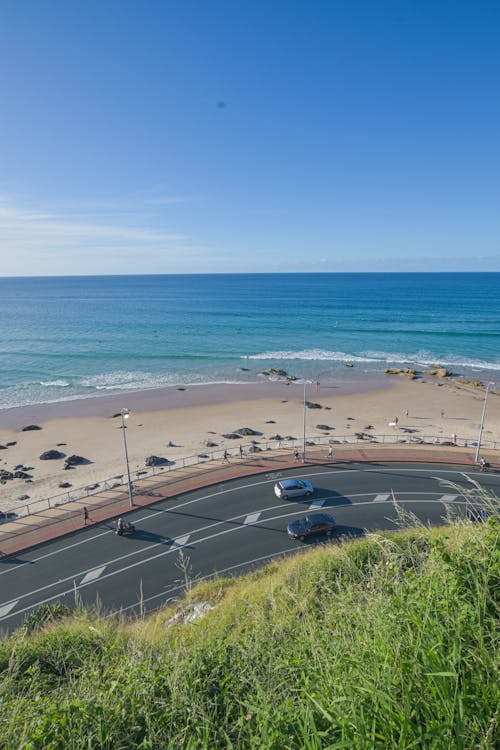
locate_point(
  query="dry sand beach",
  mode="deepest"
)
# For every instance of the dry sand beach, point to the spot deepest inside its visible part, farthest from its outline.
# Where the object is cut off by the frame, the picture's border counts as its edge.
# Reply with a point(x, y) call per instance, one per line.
point(179, 422)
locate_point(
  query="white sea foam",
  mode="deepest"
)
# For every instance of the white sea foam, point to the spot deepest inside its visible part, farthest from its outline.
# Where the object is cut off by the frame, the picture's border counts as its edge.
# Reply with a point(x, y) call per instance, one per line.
point(312, 354)
point(55, 383)
point(418, 358)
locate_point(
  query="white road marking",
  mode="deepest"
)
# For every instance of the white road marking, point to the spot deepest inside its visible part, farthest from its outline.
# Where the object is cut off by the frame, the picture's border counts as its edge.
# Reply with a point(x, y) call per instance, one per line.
point(447, 498)
point(92, 575)
point(180, 541)
point(317, 503)
point(252, 517)
point(381, 498)
point(7, 607)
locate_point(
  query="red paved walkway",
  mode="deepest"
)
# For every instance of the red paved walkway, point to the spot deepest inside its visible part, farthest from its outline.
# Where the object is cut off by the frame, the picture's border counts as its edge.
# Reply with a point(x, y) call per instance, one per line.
point(35, 529)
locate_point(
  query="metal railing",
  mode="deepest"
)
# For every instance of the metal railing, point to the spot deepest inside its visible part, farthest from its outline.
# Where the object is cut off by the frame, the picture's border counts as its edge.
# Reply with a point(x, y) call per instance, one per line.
point(251, 450)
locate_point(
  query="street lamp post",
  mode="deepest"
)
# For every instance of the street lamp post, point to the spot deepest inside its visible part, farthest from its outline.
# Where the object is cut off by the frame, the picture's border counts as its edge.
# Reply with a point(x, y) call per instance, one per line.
point(124, 415)
point(306, 382)
point(482, 422)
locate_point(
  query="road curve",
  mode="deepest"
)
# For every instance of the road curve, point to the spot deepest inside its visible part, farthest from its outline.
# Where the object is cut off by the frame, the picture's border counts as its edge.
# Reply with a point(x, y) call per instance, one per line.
point(226, 529)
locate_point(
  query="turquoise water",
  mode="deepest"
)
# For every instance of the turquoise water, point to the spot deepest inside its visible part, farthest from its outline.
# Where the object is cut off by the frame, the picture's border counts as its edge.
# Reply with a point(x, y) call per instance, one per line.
point(72, 337)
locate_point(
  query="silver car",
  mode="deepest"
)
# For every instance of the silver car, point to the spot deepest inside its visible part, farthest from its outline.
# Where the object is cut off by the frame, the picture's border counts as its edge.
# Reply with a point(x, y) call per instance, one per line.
point(286, 488)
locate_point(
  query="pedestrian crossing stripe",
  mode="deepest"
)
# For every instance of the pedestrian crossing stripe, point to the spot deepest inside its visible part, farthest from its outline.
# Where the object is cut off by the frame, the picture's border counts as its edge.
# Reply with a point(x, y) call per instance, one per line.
point(252, 518)
point(381, 498)
point(447, 498)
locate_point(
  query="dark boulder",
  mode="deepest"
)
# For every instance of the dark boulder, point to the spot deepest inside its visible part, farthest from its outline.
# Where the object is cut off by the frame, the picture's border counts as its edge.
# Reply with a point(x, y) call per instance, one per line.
point(324, 427)
point(254, 449)
point(30, 427)
point(312, 405)
point(156, 461)
point(3, 447)
point(21, 475)
point(4, 474)
point(247, 431)
point(76, 460)
point(65, 485)
point(232, 436)
point(51, 455)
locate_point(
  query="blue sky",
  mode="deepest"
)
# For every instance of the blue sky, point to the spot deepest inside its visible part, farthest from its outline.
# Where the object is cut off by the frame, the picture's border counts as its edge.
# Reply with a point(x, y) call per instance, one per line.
point(249, 136)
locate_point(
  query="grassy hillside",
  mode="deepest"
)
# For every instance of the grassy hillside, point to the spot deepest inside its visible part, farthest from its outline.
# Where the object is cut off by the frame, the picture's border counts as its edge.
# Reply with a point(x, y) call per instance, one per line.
point(390, 641)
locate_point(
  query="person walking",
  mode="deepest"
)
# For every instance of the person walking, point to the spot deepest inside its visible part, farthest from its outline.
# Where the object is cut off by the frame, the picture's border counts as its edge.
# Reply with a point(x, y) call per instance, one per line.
point(242, 452)
point(226, 457)
point(330, 453)
point(296, 455)
point(85, 515)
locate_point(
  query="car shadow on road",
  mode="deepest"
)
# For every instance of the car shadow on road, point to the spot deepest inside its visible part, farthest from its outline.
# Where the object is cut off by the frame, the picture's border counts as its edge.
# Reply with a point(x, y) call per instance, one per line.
point(323, 499)
point(342, 533)
point(142, 535)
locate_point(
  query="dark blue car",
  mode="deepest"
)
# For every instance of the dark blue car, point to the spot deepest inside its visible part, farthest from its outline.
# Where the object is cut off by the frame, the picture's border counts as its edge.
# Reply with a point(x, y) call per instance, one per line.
point(315, 523)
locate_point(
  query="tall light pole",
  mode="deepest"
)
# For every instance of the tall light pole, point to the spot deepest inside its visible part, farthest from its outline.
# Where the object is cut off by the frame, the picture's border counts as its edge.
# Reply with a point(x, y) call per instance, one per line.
point(124, 415)
point(306, 382)
point(482, 422)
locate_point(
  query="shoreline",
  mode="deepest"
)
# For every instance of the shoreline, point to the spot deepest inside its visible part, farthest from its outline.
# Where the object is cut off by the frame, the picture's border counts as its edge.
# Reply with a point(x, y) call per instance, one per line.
point(175, 424)
point(175, 397)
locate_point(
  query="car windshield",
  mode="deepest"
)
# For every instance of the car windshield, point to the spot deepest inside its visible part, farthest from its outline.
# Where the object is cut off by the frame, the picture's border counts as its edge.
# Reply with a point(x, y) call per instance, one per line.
point(302, 523)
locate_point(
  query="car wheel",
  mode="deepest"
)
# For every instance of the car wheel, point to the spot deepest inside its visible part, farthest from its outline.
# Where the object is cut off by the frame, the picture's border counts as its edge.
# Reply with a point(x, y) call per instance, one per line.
point(302, 538)
point(284, 497)
point(308, 494)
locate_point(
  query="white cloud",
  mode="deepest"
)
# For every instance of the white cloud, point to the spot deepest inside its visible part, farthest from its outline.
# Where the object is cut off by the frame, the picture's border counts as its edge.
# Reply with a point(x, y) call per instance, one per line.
point(47, 240)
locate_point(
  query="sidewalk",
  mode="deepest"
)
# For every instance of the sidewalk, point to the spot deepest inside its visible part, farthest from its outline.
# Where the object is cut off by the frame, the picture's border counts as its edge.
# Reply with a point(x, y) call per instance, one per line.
point(30, 531)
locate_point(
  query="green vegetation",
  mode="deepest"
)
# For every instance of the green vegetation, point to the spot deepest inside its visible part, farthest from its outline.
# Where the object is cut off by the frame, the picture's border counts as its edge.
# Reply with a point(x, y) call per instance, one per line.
point(386, 642)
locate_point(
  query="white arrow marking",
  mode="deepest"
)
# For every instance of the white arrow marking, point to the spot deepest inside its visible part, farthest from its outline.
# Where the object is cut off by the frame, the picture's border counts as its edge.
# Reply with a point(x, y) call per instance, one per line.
point(252, 518)
point(447, 498)
point(381, 498)
point(6, 608)
point(180, 541)
point(92, 575)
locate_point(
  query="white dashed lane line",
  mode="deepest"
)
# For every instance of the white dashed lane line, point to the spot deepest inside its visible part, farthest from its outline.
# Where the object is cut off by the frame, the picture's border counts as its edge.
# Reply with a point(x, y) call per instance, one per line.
point(381, 498)
point(317, 504)
point(447, 498)
point(92, 575)
point(7, 607)
point(180, 541)
point(252, 518)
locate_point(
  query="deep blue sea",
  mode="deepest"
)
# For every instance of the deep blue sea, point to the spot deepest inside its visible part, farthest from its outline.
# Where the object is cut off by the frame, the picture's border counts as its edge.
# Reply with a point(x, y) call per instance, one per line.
point(71, 337)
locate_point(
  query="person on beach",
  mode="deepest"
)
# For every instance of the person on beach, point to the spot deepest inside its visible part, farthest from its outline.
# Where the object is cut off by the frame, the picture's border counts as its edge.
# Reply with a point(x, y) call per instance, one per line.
point(85, 515)
point(242, 452)
point(225, 457)
point(296, 455)
point(396, 421)
point(318, 385)
point(454, 439)
point(442, 413)
point(330, 453)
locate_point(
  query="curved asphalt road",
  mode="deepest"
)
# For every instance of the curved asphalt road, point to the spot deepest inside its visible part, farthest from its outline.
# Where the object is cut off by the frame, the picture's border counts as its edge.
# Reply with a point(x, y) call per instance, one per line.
point(227, 529)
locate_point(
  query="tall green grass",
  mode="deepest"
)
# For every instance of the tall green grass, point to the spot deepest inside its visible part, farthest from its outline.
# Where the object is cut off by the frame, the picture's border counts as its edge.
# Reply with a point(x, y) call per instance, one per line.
point(390, 641)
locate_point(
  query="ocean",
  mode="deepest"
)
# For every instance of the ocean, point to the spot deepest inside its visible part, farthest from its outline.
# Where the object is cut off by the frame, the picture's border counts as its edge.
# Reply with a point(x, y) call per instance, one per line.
point(73, 337)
